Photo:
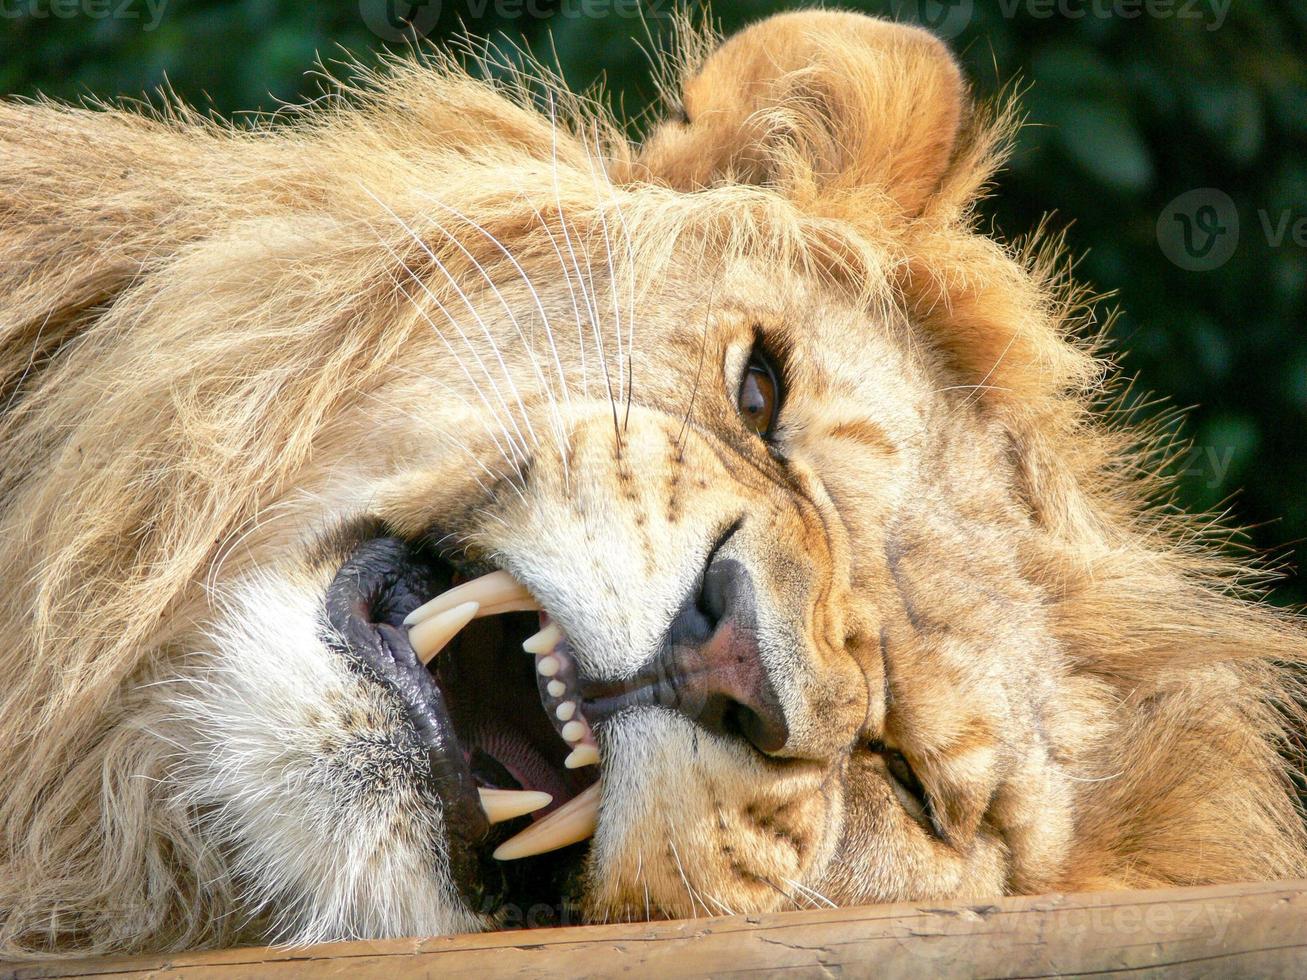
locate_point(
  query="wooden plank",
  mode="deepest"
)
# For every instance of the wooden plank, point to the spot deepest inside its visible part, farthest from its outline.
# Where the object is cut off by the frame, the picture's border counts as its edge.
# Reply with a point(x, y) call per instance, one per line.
point(1221, 931)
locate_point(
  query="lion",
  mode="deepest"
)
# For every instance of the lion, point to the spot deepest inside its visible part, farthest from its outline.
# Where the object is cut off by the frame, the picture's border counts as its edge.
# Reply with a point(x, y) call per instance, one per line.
point(433, 510)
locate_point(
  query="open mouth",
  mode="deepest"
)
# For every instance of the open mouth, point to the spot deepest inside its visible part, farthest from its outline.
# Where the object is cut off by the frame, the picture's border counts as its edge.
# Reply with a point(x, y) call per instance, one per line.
point(489, 681)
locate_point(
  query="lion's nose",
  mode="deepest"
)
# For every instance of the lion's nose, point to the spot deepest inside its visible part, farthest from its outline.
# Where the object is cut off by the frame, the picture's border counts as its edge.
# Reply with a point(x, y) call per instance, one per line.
point(715, 661)
point(710, 667)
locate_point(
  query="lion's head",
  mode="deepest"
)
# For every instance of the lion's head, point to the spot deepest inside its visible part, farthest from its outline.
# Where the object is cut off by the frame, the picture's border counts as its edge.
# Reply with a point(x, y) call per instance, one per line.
point(839, 586)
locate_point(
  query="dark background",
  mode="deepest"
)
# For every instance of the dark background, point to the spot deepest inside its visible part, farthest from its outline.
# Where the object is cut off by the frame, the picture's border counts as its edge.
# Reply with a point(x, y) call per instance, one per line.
point(1131, 103)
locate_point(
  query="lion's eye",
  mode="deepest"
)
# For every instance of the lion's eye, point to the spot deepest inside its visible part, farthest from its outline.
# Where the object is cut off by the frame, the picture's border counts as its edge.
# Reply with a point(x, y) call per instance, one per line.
point(901, 770)
point(911, 793)
point(759, 399)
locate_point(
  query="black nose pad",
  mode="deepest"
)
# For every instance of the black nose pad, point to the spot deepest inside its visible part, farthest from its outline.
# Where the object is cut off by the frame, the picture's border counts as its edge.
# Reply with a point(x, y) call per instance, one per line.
point(712, 666)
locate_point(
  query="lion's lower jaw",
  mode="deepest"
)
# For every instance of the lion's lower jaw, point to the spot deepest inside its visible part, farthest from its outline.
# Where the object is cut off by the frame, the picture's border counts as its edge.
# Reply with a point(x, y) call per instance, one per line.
point(306, 782)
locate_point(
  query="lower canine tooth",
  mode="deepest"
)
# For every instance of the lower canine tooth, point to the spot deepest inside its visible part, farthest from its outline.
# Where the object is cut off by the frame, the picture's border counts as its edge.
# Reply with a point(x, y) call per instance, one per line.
point(574, 821)
point(430, 636)
point(582, 755)
point(495, 593)
point(544, 641)
point(505, 804)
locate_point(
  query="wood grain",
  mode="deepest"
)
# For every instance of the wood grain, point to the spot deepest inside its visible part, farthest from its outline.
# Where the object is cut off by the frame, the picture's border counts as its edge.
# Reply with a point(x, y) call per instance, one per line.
point(1257, 930)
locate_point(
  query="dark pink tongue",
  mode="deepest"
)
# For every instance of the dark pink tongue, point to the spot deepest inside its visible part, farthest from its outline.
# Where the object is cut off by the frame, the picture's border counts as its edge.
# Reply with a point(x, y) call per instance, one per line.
point(511, 740)
point(519, 760)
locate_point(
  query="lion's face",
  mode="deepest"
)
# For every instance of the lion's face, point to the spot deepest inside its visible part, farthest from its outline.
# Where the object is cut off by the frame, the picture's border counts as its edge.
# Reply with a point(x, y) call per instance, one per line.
point(776, 552)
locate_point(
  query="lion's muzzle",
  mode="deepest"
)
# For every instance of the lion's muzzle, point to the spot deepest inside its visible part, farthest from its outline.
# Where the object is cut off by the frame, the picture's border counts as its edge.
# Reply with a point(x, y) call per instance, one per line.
point(709, 668)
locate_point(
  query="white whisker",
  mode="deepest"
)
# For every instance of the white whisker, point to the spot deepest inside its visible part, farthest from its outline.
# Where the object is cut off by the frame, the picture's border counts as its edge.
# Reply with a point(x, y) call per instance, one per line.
point(449, 278)
point(811, 893)
point(689, 891)
point(516, 458)
point(451, 439)
point(559, 428)
point(592, 311)
point(595, 318)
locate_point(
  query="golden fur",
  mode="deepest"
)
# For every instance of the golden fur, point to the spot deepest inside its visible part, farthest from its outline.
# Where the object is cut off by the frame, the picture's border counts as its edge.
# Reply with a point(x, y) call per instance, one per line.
point(217, 343)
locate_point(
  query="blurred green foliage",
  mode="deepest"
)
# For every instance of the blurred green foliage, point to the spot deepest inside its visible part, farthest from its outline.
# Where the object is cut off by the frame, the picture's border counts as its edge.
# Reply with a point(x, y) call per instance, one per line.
point(1130, 103)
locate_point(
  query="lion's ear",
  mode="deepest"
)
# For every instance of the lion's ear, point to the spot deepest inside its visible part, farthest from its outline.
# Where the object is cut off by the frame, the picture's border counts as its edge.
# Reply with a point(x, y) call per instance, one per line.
point(815, 102)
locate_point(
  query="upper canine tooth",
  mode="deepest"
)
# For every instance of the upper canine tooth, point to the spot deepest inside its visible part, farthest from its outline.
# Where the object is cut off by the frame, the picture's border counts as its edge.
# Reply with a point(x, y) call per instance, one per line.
point(496, 593)
point(505, 804)
point(574, 821)
point(430, 636)
point(544, 641)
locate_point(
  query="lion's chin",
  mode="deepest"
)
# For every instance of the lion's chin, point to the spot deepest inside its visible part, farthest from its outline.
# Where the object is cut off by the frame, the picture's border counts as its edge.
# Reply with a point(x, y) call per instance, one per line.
point(490, 685)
